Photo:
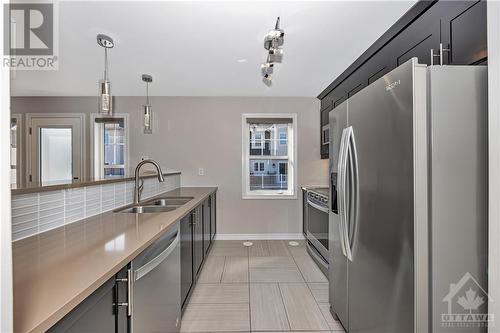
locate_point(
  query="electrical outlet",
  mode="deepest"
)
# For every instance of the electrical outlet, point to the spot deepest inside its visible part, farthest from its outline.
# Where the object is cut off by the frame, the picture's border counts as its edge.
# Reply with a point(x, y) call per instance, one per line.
point(201, 172)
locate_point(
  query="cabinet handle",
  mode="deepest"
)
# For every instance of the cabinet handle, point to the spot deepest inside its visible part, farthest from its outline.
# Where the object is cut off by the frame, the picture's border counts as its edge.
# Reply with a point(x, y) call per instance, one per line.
point(439, 54)
point(130, 292)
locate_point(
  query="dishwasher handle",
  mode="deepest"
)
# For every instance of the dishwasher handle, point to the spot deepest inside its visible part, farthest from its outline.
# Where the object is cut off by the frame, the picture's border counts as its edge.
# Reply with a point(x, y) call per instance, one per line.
point(153, 263)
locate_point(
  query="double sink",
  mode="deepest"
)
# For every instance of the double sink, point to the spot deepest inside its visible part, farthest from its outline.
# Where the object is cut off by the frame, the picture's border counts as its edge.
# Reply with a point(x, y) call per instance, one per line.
point(156, 205)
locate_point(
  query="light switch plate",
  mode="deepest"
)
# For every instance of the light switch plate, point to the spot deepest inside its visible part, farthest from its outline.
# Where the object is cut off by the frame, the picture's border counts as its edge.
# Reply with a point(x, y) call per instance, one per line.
point(201, 172)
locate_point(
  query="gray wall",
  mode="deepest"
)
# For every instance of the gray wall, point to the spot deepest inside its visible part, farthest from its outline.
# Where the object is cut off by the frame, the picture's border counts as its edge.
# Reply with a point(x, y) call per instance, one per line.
point(205, 132)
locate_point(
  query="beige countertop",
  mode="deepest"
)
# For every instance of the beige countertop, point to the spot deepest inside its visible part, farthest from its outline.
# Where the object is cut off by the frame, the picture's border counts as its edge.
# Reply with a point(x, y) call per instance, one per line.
point(56, 270)
point(24, 188)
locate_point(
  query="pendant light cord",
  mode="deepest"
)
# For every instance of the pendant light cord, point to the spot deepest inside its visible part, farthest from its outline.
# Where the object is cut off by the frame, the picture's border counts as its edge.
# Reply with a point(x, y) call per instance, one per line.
point(147, 93)
point(105, 64)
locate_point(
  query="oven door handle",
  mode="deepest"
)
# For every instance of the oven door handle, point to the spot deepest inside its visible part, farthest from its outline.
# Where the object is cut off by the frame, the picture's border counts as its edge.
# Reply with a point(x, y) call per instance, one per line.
point(318, 207)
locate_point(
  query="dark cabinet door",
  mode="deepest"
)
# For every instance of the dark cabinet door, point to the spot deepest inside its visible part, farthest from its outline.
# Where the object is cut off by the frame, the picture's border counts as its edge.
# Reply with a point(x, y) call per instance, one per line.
point(206, 225)
point(198, 251)
point(95, 314)
point(324, 133)
point(213, 210)
point(463, 30)
point(416, 41)
point(186, 258)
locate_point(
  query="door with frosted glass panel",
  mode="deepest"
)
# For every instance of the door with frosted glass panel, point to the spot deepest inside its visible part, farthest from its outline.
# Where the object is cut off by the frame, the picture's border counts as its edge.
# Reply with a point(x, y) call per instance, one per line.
point(55, 150)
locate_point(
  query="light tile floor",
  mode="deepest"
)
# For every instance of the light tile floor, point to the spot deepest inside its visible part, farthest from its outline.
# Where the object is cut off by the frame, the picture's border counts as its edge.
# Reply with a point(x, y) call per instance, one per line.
point(268, 287)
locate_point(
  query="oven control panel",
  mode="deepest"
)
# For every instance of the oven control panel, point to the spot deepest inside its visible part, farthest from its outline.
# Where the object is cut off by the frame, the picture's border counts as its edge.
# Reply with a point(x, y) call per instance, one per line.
point(317, 198)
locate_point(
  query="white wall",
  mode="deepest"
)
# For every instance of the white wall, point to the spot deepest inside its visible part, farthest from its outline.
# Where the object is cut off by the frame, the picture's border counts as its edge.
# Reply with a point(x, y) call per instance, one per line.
point(205, 132)
point(494, 159)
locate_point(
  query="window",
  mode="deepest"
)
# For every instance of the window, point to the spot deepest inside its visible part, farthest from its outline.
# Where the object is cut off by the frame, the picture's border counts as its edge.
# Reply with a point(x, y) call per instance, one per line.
point(257, 141)
point(110, 146)
point(269, 150)
point(283, 138)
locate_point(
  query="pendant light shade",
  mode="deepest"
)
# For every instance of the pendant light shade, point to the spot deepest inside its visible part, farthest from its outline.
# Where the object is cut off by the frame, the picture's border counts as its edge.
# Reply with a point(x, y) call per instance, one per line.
point(147, 109)
point(105, 97)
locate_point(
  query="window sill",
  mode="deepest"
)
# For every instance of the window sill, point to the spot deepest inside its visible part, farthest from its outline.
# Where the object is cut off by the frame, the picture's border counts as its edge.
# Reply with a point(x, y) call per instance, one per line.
point(269, 196)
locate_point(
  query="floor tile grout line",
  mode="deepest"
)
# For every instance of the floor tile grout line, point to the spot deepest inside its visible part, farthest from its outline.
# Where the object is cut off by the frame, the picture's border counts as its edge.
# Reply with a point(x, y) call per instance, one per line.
point(300, 271)
point(284, 306)
point(223, 270)
point(319, 305)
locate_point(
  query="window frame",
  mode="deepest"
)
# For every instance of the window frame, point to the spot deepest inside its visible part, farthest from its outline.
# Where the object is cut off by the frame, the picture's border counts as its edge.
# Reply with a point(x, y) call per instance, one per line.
point(97, 145)
point(292, 138)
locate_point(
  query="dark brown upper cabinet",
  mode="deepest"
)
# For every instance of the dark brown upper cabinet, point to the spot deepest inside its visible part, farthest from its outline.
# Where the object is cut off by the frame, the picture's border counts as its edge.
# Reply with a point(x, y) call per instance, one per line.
point(459, 26)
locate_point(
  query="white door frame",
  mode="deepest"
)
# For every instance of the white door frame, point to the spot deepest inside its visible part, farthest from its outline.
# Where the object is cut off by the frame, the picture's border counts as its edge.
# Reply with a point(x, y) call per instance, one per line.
point(80, 116)
point(493, 23)
point(20, 140)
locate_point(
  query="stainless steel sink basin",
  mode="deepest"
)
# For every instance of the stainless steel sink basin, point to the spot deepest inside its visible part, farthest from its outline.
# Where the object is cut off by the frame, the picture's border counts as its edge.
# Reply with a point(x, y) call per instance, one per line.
point(146, 209)
point(156, 205)
point(169, 201)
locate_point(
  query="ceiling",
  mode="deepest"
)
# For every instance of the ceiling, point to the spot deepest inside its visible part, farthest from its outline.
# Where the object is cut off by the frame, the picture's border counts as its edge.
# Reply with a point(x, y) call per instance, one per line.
point(207, 48)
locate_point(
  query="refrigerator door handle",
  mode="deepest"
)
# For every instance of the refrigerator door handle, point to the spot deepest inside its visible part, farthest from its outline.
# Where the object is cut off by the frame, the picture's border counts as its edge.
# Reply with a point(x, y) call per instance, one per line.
point(340, 189)
point(354, 193)
point(346, 157)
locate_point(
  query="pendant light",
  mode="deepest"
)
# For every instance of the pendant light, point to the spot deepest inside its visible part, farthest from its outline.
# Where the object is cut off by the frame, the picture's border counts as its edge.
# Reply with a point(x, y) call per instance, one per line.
point(105, 98)
point(148, 112)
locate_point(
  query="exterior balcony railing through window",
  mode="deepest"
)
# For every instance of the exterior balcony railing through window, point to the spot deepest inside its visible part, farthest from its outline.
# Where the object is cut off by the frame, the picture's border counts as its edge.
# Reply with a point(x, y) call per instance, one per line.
point(268, 147)
point(268, 182)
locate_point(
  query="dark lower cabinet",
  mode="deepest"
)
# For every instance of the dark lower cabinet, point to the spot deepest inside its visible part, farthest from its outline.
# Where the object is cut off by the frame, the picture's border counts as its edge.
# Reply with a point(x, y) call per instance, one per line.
point(206, 226)
point(459, 26)
point(213, 210)
point(198, 252)
point(96, 314)
point(187, 276)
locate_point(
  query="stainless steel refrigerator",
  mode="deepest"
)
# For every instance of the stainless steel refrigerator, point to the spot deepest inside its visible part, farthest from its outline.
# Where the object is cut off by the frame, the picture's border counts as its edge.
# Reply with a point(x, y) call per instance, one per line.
point(408, 168)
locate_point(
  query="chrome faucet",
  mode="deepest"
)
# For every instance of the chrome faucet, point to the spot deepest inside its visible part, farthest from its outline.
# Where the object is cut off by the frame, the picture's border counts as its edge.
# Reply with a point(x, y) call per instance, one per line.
point(140, 187)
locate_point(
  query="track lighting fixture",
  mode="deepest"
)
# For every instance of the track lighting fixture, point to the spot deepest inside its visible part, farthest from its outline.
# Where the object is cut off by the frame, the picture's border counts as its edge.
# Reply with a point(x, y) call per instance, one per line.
point(272, 42)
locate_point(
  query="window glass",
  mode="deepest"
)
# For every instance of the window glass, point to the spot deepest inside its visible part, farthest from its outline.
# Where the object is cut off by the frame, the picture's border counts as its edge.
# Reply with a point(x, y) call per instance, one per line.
point(114, 149)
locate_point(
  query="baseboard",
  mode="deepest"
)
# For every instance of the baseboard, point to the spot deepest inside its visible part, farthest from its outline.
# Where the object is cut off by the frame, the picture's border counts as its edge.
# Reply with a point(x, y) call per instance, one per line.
point(257, 236)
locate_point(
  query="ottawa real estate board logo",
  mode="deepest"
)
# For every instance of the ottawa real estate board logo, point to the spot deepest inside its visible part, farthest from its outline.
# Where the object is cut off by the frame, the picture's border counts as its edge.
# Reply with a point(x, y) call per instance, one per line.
point(467, 305)
point(30, 36)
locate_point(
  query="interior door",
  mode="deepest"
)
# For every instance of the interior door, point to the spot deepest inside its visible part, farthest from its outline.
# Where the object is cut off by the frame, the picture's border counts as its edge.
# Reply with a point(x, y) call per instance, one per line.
point(55, 149)
point(338, 262)
point(381, 271)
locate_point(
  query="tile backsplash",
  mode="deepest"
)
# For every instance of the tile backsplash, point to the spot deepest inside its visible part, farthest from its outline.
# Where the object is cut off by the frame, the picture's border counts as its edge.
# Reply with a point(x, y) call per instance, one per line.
point(35, 213)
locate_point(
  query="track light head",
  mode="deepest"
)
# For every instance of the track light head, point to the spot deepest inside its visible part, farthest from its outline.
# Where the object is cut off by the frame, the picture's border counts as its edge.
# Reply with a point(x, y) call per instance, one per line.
point(267, 68)
point(267, 79)
point(275, 54)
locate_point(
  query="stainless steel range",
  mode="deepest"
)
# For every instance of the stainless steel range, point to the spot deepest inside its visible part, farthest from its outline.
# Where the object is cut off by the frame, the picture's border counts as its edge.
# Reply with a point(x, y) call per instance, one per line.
point(316, 224)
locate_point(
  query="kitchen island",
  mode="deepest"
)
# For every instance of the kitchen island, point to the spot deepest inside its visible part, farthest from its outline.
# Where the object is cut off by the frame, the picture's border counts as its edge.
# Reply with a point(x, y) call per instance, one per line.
point(56, 270)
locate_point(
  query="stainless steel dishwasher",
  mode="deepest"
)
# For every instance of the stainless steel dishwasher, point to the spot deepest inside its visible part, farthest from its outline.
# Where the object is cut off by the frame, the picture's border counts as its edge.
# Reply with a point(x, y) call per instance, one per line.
point(156, 287)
